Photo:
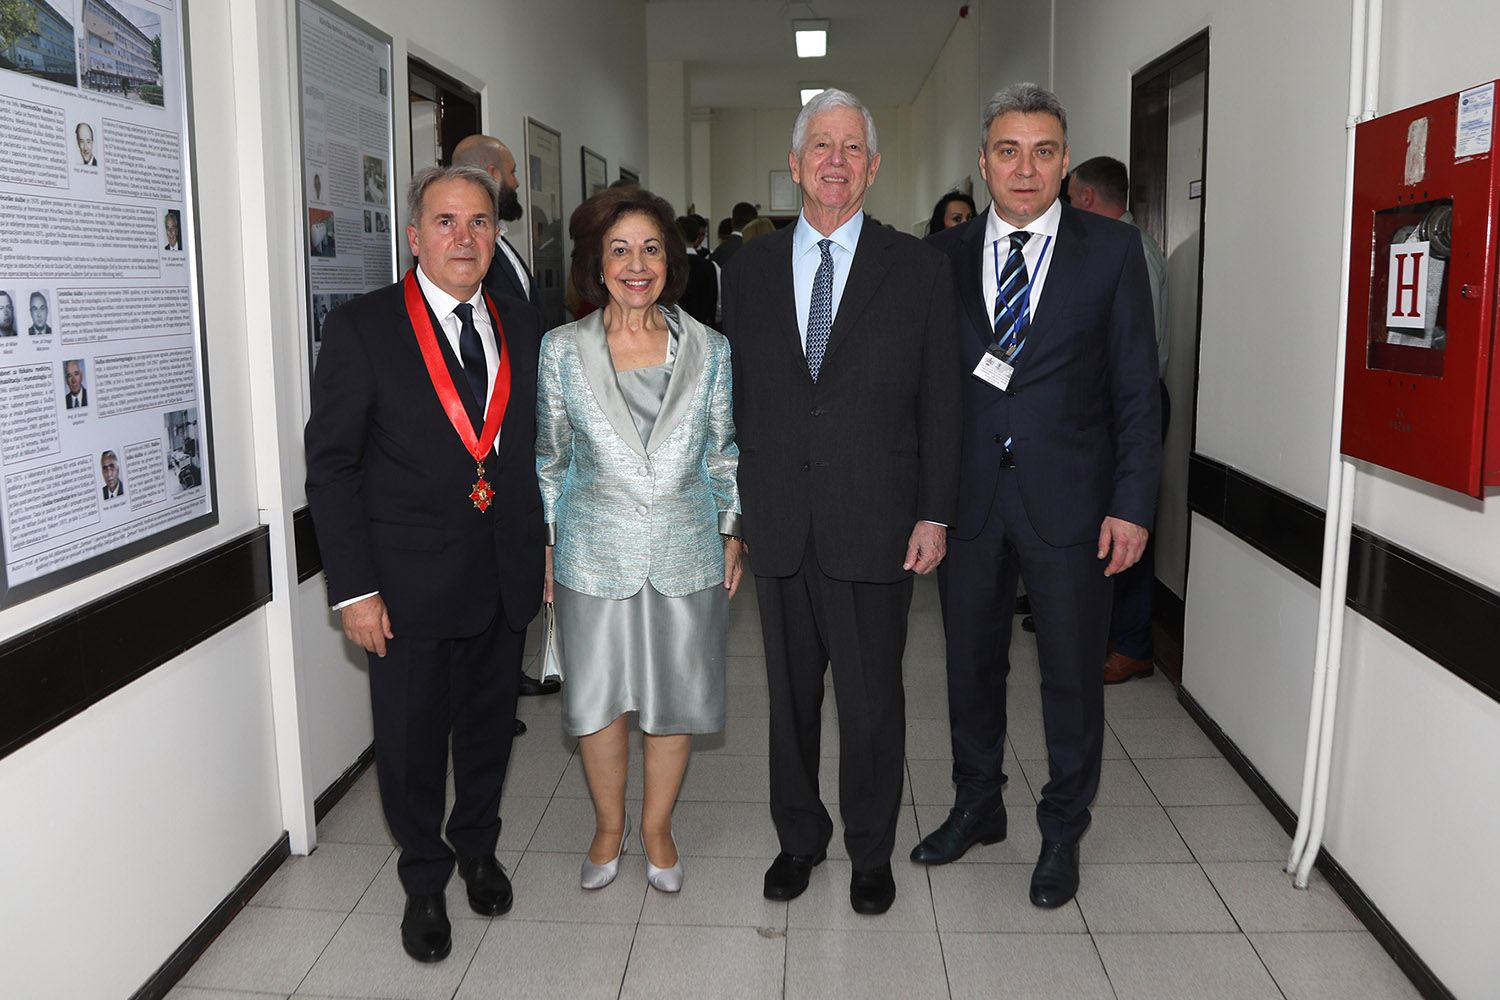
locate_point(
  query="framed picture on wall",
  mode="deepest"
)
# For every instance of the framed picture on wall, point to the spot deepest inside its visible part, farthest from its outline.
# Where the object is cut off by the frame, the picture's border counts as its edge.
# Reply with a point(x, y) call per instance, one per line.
point(629, 174)
point(786, 196)
point(595, 173)
point(544, 213)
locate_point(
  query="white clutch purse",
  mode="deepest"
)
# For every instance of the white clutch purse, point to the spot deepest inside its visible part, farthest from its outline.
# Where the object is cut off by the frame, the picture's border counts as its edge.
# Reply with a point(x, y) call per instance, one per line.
point(551, 663)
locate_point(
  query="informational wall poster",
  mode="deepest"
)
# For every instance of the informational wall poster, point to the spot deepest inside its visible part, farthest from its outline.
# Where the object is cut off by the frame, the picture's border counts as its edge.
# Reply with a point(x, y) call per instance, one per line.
point(104, 444)
point(545, 213)
point(348, 145)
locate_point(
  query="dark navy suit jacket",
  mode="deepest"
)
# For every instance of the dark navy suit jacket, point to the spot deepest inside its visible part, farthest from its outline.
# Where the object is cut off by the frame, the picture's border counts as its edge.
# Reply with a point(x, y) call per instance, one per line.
point(1083, 407)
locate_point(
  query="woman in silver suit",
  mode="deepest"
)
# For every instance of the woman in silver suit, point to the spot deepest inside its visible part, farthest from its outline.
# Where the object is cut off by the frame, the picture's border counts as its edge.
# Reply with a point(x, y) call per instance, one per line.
point(636, 460)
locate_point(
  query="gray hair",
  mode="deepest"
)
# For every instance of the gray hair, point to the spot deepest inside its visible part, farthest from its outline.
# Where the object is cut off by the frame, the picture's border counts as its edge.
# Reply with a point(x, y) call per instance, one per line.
point(416, 191)
point(827, 101)
point(1028, 99)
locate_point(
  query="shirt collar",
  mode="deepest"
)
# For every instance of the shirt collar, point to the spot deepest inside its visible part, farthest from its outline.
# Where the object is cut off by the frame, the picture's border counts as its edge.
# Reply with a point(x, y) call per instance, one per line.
point(806, 238)
point(441, 302)
point(996, 228)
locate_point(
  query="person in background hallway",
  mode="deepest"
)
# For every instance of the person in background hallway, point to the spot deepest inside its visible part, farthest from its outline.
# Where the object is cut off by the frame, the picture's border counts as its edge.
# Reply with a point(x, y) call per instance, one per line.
point(700, 299)
point(509, 276)
point(847, 406)
point(1061, 457)
point(636, 457)
point(759, 226)
point(743, 214)
point(1102, 186)
point(726, 230)
point(421, 477)
point(952, 209)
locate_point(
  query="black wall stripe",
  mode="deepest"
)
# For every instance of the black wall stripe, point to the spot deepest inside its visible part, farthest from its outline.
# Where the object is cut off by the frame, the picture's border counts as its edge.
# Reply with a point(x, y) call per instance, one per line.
point(61, 668)
point(305, 540)
point(1442, 615)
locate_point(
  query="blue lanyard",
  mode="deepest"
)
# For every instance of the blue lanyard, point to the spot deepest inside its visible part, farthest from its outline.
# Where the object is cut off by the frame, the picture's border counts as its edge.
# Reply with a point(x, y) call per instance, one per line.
point(1020, 319)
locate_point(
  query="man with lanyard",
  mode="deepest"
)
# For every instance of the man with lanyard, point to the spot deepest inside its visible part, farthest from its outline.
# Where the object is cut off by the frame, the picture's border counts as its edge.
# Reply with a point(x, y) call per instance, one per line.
point(1061, 458)
point(421, 478)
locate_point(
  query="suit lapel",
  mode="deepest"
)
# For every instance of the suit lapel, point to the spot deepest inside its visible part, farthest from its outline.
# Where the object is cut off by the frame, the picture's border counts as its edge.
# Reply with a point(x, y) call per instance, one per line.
point(599, 369)
point(872, 259)
point(687, 372)
point(776, 281)
point(967, 278)
point(1069, 255)
point(455, 368)
point(515, 279)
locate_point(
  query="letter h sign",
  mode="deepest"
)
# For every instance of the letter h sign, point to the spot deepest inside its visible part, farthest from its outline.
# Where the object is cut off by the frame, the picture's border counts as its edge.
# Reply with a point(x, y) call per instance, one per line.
point(1406, 291)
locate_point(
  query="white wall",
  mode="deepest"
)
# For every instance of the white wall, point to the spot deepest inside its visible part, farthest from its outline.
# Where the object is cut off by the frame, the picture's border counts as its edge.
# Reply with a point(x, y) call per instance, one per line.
point(128, 824)
point(943, 133)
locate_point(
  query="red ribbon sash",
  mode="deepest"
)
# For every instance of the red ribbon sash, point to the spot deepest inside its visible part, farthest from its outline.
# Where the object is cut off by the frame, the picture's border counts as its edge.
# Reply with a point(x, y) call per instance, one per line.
point(442, 381)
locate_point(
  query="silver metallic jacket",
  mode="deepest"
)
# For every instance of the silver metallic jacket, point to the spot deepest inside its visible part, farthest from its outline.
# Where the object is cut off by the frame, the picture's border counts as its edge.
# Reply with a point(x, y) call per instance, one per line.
point(622, 511)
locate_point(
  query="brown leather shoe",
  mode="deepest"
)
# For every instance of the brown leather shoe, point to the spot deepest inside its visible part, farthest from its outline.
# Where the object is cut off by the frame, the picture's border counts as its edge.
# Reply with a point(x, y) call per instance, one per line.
point(1118, 667)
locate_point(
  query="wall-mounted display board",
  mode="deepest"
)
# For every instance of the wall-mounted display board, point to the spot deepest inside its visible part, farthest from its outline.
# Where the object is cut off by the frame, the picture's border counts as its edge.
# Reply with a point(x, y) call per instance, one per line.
point(348, 216)
point(544, 212)
point(104, 418)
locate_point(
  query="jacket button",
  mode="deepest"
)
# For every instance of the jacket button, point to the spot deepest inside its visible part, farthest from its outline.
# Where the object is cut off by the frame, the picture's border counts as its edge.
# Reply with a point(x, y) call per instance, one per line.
point(815, 412)
point(641, 509)
point(806, 466)
point(641, 470)
point(999, 439)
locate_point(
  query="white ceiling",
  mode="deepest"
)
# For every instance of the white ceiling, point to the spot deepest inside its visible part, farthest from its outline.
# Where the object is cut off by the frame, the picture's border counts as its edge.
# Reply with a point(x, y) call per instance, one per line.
point(740, 53)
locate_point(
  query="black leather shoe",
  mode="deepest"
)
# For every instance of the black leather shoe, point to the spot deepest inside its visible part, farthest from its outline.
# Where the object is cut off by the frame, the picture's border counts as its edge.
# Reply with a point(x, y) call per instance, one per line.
point(520, 728)
point(531, 686)
point(425, 932)
point(1023, 604)
point(1028, 624)
point(489, 888)
point(872, 892)
point(787, 877)
point(959, 832)
point(1055, 879)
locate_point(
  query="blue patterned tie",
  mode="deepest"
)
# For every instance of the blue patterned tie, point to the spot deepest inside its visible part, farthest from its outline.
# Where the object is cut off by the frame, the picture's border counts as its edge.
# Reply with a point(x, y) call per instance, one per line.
point(820, 315)
point(1012, 311)
point(471, 353)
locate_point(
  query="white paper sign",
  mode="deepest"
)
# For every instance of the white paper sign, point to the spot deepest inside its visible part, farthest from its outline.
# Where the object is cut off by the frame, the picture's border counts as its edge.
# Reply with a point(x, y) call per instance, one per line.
point(1476, 114)
point(1406, 290)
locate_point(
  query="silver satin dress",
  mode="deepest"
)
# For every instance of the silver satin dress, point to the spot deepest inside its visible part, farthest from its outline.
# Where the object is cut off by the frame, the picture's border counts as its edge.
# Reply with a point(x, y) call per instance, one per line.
point(662, 657)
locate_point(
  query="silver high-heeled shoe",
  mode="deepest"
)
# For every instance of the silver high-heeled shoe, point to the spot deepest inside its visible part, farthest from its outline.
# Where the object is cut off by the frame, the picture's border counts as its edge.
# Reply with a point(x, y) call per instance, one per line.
point(663, 879)
point(598, 876)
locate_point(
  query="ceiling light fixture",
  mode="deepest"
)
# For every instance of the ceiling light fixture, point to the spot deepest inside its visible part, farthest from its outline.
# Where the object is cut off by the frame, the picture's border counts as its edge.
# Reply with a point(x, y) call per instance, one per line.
point(812, 38)
point(811, 90)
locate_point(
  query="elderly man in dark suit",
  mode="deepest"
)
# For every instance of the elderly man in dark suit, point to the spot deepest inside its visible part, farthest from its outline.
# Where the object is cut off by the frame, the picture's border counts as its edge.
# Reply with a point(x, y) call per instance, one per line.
point(421, 477)
point(846, 384)
point(1061, 459)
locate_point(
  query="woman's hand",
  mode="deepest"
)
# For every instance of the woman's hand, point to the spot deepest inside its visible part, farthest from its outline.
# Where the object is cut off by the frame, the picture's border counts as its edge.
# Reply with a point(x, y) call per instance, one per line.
point(547, 578)
point(734, 552)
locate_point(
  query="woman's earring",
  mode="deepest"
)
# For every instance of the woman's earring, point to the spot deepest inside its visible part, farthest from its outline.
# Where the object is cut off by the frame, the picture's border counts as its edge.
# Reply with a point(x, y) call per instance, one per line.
point(601, 277)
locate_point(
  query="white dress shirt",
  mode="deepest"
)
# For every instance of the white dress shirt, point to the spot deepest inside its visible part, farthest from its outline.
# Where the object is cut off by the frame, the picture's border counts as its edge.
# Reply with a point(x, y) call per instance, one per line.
point(443, 305)
point(805, 260)
point(1038, 253)
point(515, 262)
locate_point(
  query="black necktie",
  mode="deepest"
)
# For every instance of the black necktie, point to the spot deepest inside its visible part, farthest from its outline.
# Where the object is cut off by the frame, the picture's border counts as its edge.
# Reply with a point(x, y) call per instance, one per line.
point(471, 353)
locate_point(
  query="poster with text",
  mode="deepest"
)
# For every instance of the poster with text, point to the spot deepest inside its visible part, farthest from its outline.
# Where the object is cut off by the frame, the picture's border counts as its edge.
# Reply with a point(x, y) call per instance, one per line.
point(104, 443)
point(348, 144)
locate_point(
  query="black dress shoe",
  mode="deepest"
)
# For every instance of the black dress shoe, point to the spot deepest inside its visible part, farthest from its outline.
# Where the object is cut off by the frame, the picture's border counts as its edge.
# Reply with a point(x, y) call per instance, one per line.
point(1028, 624)
point(1055, 879)
point(489, 888)
point(959, 832)
point(531, 686)
point(425, 932)
point(520, 728)
point(787, 877)
point(872, 892)
point(1023, 604)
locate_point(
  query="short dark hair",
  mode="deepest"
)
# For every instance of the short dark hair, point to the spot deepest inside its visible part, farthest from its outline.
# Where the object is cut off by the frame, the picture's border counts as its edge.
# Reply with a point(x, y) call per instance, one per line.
point(726, 227)
point(691, 229)
point(743, 213)
point(596, 216)
point(940, 210)
point(1107, 176)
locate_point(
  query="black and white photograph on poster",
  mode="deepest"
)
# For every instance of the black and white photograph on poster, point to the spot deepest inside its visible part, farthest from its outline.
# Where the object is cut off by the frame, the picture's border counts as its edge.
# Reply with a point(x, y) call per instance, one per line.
point(184, 469)
point(348, 146)
point(320, 233)
point(113, 487)
point(129, 63)
point(100, 318)
point(41, 315)
point(75, 392)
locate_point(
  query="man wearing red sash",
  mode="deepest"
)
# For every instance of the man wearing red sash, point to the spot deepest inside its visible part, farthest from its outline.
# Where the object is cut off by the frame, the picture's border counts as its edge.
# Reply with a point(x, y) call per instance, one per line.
point(421, 478)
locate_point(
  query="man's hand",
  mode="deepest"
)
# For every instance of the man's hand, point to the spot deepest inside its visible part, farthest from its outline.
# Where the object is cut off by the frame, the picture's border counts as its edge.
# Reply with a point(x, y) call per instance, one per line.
point(928, 545)
point(734, 565)
point(1128, 542)
point(547, 579)
point(367, 624)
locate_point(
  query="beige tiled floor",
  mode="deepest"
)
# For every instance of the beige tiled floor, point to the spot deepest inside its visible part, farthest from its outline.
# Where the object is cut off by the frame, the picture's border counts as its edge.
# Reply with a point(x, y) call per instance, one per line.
point(1182, 896)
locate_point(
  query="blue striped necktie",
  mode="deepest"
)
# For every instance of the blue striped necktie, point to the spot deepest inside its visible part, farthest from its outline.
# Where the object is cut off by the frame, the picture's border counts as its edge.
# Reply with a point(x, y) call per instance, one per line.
point(820, 314)
point(1012, 311)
